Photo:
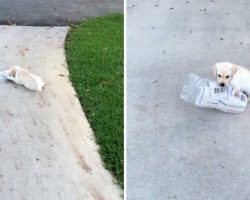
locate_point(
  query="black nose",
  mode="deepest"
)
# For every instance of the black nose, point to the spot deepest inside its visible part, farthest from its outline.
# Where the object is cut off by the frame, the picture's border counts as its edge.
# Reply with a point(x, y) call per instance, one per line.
point(222, 84)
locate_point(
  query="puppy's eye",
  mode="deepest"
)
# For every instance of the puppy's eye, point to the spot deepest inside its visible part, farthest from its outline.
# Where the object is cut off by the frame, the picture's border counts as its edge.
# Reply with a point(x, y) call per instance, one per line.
point(227, 76)
point(219, 75)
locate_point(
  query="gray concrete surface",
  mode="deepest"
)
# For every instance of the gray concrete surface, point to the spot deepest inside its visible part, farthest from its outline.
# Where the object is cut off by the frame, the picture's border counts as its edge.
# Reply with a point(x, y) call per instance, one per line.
point(54, 12)
point(47, 148)
point(176, 150)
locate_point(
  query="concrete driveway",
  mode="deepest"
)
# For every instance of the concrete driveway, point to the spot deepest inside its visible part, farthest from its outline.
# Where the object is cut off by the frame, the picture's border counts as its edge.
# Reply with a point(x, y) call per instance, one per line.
point(176, 150)
point(54, 12)
point(47, 148)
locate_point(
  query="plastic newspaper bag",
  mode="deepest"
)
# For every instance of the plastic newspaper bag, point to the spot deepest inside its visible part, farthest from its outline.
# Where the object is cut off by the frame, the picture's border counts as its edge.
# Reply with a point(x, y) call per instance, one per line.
point(206, 93)
point(23, 77)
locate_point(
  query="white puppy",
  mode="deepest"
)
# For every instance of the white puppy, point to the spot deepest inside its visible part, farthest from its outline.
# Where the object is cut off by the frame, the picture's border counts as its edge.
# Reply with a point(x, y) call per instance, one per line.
point(229, 73)
point(23, 77)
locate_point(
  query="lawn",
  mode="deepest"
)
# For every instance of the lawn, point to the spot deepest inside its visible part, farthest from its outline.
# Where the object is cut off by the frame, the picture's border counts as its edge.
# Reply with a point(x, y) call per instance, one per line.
point(94, 51)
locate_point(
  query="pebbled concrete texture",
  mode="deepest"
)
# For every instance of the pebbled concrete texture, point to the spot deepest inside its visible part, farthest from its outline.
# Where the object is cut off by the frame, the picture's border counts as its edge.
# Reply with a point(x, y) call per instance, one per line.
point(54, 12)
point(176, 150)
point(47, 148)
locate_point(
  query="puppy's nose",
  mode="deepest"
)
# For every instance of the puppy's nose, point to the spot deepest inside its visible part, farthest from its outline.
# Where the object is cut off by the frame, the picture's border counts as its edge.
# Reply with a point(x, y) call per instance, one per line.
point(222, 84)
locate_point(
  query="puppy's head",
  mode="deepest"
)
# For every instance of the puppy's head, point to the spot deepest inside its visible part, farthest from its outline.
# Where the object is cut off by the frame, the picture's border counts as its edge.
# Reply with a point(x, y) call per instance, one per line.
point(224, 72)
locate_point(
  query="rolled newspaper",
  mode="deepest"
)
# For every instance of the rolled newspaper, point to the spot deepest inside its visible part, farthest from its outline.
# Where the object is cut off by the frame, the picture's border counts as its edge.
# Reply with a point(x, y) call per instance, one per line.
point(23, 77)
point(206, 93)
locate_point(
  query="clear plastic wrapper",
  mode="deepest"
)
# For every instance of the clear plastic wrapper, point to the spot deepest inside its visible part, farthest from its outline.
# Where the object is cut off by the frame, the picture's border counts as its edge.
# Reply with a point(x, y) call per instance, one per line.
point(206, 93)
point(3, 76)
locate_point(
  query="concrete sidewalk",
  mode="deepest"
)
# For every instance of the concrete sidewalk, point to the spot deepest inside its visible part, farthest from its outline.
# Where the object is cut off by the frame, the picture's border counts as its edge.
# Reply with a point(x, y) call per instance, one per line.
point(47, 148)
point(176, 150)
point(54, 12)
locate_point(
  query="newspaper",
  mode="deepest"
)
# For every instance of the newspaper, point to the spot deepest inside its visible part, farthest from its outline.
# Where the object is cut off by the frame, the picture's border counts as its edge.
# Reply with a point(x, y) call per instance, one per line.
point(206, 93)
point(23, 77)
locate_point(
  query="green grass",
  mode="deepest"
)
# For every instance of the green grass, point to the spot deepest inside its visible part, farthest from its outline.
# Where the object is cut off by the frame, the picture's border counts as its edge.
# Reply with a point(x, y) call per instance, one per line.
point(94, 51)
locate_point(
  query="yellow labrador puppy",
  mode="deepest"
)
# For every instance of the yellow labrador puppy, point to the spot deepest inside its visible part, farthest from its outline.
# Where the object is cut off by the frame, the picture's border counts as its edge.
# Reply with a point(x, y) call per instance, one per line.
point(229, 73)
point(23, 77)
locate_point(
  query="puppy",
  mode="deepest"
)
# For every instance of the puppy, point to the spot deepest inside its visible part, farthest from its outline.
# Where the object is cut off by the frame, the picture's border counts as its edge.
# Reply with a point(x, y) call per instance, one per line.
point(23, 77)
point(228, 73)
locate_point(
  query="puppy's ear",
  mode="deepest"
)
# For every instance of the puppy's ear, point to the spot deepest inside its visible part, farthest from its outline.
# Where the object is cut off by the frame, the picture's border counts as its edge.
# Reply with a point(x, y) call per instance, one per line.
point(214, 70)
point(234, 69)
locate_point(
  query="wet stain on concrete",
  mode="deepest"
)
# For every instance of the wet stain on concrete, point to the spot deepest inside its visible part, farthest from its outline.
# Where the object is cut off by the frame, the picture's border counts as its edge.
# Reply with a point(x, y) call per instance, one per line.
point(96, 194)
point(81, 160)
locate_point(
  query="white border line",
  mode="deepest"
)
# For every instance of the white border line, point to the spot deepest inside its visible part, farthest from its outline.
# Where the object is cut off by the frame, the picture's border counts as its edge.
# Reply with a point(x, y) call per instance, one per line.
point(125, 99)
